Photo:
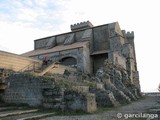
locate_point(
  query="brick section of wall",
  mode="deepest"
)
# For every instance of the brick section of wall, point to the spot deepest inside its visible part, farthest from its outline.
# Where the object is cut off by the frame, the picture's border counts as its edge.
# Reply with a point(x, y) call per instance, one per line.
point(25, 89)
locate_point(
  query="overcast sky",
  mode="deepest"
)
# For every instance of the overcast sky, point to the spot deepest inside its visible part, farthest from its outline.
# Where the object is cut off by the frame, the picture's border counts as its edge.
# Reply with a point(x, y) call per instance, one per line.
point(23, 21)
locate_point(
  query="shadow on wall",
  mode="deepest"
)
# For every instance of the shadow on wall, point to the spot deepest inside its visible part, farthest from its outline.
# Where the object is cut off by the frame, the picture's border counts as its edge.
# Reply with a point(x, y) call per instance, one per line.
point(69, 61)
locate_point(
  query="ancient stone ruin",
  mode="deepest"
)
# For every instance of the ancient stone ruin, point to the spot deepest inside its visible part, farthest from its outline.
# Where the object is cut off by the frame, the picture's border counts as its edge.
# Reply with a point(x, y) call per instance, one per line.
point(87, 68)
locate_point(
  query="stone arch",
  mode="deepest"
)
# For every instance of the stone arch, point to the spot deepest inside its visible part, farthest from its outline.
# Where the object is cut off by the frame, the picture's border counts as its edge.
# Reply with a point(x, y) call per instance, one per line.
point(69, 61)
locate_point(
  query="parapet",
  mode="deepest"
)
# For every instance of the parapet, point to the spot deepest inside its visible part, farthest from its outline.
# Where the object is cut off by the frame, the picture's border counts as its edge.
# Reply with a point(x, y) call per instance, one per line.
point(130, 34)
point(81, 25)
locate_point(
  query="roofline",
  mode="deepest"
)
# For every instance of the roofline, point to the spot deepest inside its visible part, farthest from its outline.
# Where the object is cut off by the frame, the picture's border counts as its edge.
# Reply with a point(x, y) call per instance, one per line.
point(18, 56)
point(74, 31)
point(52, 50)
point(55, 51)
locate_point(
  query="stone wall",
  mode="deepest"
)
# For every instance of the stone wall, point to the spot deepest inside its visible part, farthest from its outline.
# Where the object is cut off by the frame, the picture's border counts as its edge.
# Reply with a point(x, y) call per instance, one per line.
point(100, 38)
point(31, 90)
point(80, 101)
point(63, 39)
point(81, 55)
point(47, 92)
point(24, 89)
point(118, 59)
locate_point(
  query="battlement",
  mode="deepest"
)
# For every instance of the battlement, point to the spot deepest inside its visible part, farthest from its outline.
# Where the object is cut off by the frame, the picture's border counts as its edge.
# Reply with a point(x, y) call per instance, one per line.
point(81, 25)
point(130, 34)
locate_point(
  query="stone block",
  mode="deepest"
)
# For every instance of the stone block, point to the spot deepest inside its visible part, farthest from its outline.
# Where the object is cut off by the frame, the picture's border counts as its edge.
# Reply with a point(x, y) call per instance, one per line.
point(99, 86)
point(81, 89)
point(91, 103)
point(80, 101)
point(104, 98)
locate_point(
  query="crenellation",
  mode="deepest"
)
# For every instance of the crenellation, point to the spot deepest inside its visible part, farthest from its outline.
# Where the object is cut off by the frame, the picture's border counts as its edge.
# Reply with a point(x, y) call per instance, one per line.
point(81, 25)
point(130, 34)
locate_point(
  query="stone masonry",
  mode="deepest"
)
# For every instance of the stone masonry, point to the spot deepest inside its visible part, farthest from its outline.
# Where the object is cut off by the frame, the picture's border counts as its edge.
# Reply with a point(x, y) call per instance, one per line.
point(105, 72)
point(86, 47)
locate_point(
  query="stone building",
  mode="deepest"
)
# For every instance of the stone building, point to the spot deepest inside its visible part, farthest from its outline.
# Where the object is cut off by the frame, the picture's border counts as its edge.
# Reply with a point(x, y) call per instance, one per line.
point(87, 46)
point(102, 70)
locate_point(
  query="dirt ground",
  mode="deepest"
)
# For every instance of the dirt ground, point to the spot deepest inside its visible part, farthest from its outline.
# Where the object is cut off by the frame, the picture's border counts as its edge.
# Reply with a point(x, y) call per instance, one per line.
point(147, 108)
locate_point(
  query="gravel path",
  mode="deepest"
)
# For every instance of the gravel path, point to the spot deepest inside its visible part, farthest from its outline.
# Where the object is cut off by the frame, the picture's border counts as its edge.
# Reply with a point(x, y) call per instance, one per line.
point(135, 111)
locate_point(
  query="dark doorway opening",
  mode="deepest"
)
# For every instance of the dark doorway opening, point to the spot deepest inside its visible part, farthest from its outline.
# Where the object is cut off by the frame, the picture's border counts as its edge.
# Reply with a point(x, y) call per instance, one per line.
point(68, 61)
point(98, 61)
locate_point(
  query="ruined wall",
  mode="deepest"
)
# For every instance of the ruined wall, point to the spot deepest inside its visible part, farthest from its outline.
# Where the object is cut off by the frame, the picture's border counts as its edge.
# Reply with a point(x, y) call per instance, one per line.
point(32, 91)
point(23, 89)
point(48, 92)
point(80, 101)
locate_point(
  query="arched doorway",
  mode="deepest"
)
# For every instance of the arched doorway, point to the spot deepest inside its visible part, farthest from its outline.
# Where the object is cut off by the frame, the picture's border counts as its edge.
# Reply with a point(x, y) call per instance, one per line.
point(69, 61)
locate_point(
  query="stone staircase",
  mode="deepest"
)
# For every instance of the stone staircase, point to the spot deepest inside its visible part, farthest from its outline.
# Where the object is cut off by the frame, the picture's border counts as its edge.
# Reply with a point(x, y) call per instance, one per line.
point(104, 98)
point(118, 94)
point(43, 69)
point(39, 69)
point(22, 113)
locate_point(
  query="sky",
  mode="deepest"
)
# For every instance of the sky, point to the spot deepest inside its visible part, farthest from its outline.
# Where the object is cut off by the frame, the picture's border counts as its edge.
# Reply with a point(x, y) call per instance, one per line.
point(23, 21)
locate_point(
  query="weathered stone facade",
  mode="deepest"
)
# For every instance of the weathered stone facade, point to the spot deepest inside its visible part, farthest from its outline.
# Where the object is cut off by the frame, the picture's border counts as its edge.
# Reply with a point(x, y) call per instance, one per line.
point(86, 48)
point(106, 72)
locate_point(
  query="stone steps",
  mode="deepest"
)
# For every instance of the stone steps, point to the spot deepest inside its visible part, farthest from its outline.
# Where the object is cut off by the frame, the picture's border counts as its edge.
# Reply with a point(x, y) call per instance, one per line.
point(37, 116)
point(22, 113)
point(6, 108)
point(27, 116)
point(113, 100)
point(47, 68)
point(16, 112)
point(118, 94)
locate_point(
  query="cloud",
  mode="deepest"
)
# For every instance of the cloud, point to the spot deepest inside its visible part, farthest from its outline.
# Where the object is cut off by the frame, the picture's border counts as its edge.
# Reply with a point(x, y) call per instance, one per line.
point(43, 14)
point(23, 21)
point(2, 48)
